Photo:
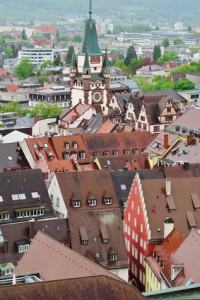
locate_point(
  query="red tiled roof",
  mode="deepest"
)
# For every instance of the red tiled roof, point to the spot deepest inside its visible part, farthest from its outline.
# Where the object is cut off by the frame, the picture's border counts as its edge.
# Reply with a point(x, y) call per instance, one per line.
point(107, 127)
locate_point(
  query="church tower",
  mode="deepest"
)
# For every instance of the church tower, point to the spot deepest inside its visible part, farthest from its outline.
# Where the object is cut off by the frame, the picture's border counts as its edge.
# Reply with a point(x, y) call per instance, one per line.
point(89, 71)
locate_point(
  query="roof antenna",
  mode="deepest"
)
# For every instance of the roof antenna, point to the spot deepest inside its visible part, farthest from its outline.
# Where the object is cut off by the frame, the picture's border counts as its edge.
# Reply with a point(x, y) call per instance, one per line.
point(90, 10)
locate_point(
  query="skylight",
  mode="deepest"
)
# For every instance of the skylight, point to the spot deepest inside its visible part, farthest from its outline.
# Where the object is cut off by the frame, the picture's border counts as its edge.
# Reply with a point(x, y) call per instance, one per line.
point(123, 187)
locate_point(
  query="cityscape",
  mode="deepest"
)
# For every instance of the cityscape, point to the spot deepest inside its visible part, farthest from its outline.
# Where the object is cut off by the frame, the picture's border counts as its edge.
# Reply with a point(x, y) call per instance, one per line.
point(100, 150)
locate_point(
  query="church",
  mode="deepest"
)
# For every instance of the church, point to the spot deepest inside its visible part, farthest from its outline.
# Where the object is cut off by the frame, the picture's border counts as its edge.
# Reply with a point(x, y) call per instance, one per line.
point(89, 71)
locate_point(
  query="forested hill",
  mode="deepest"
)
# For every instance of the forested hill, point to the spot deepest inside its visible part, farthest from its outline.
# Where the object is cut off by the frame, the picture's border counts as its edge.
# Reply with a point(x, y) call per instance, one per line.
point(38, 9)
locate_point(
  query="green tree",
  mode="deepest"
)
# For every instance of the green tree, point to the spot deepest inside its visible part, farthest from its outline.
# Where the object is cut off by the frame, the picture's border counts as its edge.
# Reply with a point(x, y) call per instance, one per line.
point(165, 42)
point(9, 51)
point(24, 36)
point(178, 42)
point(46, 110)
point(43, 79)
point(131, 53)
point(184, 84)
point(57, 61)
point(77, 38)
point(57, 36)
point(156, 52)
point(24, 69)
point(120, 64)
point(189, 29)
point(168, 56)
point(185, 69)
point(69, 55)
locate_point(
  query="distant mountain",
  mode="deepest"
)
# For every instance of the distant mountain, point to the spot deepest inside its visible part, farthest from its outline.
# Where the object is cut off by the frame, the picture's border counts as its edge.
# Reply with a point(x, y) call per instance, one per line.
point(50, 9)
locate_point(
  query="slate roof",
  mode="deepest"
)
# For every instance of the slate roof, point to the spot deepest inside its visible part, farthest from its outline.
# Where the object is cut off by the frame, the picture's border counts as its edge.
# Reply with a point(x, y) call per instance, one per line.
point(23, 182)
point(90, 288)
point(11, 157)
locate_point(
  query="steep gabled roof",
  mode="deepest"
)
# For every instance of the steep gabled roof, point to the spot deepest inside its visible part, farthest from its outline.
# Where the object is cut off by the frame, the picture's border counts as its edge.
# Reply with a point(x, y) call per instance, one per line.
point(54, 261)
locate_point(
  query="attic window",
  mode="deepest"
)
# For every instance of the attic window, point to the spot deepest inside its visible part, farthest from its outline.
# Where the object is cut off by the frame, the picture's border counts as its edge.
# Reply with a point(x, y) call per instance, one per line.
point(136, 151)
point(83, 235)
point(75, 145)
point(66, 145)
point(35, 195)
point(76, 203)
point(10, 158)
point(35, 146)
point(175, 270)
point(15, 197)
point(126, 152)
point(196, 201)
point(23, 248)
point(74, 154)
point(96, 154)
point(104, 234)
point(92, 202)
point(21, 196)
point(46, 146)
point(106, 153)
point(50, 155)
point(115, 152)
point(82, 154)
point(123, 187)
point(108, 200)
point(113, 256)
point(65, 155)
point(1, 199)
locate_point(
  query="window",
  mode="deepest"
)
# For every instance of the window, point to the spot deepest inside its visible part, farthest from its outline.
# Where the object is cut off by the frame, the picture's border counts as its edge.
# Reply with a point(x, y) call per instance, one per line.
point(135, 222)
point(136, 151)
point(138, 210)
point(133, 250)
point(168, 109)
point(75, 145)
point(96, 154)
point(123, 187)
point(22, 196)
point(128, 230)
point(126, 152)
point(92, 202)
point(156, 128)
point(66, 155)
point(66, 145)
point(35, 195)
point(113, 257)
point(132, 204)
point(136, 253)
point(145, 245)
point(136, 271)
point(35, 146)
point(23, 248)
point(142, 118)
point(141, 227)
point(136, 238)
point(4, 216)
point(140, 276)
point(108, 200)
point(46, 146)
point(10, 158)
point(1, 199)
point(15, 197)
point(82, 155)
point(129, 216)
point(115, 152)
point(106, 153)
point(58, 202)
point(76, 203)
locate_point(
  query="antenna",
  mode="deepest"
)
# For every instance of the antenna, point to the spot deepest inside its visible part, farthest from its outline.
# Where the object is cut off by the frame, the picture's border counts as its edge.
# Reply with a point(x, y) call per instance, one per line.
point(90, 9)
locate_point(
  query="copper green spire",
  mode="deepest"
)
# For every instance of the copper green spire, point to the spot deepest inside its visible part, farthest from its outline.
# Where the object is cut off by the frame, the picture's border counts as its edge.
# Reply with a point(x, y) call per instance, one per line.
point(86, 63)
point(73, 64)
point(90, 40)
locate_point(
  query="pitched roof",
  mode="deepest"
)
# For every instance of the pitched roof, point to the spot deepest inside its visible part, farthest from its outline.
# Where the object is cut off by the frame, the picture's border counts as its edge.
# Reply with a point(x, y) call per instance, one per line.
point(117, 141)
point(188, 259)
point(75, 112)
point(90, 288)
point(107, 127)
point(155, 198)
point(54, 261)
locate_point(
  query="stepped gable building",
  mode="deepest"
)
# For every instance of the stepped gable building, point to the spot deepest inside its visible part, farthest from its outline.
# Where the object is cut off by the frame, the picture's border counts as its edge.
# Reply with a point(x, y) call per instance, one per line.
point(89, 71)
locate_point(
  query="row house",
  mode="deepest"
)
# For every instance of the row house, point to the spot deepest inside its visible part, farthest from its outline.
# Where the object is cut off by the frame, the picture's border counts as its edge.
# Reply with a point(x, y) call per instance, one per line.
point(91, 206)
point(151, 203)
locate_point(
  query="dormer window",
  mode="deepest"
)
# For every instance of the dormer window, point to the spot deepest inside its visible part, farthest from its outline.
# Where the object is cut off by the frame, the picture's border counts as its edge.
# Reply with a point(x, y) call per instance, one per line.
point(113, 256)
point(83, 235)
point(126, 152)
point(75, 145)
point(106, 153)
point(76, 203)
point(66, 145)
point(108, 200)
point(74, 154)
point(96, 154)
point(65, 155)
point(92, 202)
point(35, 146)
point(115, 152)
point(104, 234)
point(82, 154)
point(46, 146)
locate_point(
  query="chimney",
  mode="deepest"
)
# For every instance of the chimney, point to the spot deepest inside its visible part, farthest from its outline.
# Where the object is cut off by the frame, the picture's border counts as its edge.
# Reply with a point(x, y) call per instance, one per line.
point(46, 85)
point(6, 246)
point(189, 139)
point(32, 228)
point(168, 186)
point(166, 142)
point(168, 226)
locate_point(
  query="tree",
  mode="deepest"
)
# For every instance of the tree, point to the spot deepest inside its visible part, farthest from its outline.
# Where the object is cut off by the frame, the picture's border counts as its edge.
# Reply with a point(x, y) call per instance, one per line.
point(9, 51)
point(24, 36)
point(130, 54)
point(57, 36)
point(24, 69)
point(69, 55)
point(184, 84)
point(178, 42)
point(133, 64)
point(189, 29)
point(77, 38)
point(46, 110)
point(43, 79)
point(168, 56)
point(185, 69)
point(120, 64)
point(156, 52)
point(165, 42)
point(57, 61)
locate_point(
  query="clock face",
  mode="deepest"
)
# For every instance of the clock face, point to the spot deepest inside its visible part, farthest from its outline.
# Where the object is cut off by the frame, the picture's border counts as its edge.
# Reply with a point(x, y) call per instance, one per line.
point(97, 97)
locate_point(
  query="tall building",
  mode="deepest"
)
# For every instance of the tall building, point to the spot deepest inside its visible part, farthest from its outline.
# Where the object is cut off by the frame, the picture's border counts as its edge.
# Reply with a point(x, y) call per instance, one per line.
point(89, 71)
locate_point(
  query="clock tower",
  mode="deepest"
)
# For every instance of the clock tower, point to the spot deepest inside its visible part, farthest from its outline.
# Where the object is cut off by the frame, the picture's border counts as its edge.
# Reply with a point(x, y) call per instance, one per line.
point(89, 71)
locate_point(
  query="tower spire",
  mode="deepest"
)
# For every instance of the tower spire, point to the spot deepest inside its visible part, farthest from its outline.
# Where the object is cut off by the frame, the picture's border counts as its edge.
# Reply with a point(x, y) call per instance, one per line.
point(90, 9)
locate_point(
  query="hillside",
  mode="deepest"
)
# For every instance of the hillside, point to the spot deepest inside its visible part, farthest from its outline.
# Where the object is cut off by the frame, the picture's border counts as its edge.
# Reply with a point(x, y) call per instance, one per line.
point(50, 9)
